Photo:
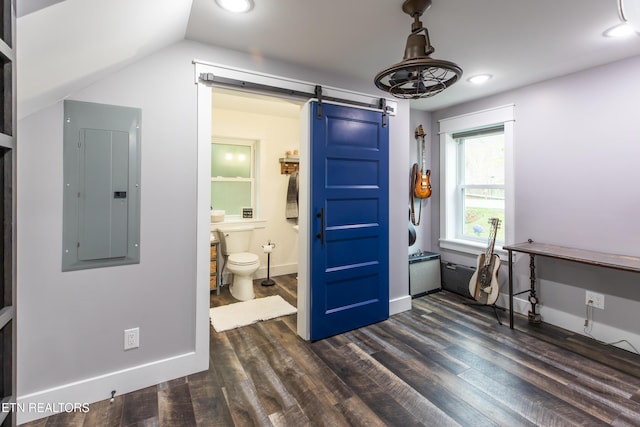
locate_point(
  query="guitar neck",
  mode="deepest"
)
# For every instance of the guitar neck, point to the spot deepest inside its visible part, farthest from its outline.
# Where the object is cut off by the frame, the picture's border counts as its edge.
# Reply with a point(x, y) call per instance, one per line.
point(420, 134)
point(424, 161)
point(495, 223)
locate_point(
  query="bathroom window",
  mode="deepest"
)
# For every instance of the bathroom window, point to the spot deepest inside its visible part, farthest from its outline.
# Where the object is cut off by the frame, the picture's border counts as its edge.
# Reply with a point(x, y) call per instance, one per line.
point(233, 175)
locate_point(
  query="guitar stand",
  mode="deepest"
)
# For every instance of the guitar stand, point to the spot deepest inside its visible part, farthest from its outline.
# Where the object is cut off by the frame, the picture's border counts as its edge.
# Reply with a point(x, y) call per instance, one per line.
point(495, 309)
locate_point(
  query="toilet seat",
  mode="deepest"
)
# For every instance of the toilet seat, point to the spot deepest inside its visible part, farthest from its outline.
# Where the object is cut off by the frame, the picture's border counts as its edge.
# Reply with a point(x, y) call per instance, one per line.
point(243, 258)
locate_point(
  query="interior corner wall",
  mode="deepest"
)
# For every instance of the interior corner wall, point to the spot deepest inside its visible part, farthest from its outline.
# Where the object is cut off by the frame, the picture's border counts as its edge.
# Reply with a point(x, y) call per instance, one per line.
point(399, 134)
point(577, 144)
point(70, 328)
point(423, 230)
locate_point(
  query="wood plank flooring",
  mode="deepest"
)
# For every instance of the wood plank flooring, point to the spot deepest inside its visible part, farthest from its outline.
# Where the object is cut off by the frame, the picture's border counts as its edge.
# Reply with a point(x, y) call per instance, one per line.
point(441, 364)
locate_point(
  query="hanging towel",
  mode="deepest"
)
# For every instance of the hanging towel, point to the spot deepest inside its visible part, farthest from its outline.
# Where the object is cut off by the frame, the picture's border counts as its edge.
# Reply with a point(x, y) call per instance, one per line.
point(292, 197)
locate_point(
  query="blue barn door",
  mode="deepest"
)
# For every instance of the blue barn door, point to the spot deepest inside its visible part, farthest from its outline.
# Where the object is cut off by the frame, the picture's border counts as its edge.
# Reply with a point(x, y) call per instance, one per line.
point(349, 219)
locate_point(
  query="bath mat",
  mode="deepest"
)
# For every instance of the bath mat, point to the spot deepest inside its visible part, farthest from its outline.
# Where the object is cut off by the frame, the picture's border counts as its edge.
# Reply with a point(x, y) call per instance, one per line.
point(245, 313)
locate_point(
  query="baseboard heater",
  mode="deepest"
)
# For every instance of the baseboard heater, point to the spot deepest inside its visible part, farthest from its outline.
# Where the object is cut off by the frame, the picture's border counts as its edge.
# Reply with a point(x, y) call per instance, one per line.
point(456, 278)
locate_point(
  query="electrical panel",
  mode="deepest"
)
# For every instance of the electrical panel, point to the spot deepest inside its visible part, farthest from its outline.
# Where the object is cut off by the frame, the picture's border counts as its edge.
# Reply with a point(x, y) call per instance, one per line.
point(101, 207)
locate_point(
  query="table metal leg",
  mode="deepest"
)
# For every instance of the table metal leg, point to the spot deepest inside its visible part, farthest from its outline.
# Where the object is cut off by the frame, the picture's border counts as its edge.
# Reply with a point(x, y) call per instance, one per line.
point(534, 317)
point(510, 289)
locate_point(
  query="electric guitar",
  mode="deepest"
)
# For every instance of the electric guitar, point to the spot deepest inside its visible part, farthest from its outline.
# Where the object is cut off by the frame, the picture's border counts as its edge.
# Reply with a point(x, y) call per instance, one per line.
point(422, 187)
point(484, 286)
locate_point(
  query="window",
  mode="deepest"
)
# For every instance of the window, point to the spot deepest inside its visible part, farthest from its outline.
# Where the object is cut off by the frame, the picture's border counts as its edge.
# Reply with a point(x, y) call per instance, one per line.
point(477, 178)
point(233, 175)
point(480, 186)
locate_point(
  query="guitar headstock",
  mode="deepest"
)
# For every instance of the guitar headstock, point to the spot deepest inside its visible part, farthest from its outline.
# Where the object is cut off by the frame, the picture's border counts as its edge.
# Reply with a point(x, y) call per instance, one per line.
point(495, 222)
point(419, 131)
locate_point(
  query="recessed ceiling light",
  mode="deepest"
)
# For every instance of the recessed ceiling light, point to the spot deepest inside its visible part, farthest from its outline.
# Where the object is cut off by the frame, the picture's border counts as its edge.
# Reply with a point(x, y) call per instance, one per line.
point(479, 79)
point(236, 6)
point(620, 30)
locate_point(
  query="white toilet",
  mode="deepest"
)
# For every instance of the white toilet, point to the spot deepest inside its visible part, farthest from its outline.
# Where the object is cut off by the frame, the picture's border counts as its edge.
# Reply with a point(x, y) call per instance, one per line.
point(235, 245)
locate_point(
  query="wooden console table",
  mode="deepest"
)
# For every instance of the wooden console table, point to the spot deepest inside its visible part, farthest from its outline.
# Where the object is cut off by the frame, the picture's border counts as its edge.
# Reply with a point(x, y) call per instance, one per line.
point(618, 262)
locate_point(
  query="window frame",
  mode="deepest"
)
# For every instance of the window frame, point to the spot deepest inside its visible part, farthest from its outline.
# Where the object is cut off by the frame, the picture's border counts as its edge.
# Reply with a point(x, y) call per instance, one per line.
point(253, 145)
point(451, 204)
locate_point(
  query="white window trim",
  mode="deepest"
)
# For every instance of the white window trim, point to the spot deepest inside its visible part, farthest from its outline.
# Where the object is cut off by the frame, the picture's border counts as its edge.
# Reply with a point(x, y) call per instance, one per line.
point(448, 165)
point(253, 144)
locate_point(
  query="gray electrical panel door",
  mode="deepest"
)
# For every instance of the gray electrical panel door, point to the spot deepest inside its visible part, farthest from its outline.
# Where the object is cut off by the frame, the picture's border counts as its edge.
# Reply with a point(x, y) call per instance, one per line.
point(101, 214)
point(104, 181)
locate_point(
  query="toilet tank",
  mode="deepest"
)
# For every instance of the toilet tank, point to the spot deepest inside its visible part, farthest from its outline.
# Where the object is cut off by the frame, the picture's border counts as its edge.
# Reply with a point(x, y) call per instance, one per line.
point(235, 238)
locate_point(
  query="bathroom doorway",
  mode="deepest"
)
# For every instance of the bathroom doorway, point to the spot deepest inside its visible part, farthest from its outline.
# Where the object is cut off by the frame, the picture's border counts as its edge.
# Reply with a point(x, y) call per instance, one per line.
point(272, 123)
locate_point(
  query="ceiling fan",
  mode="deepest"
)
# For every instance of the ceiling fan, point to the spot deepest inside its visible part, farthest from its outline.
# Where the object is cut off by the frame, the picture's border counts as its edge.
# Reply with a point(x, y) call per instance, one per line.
point(418, 75)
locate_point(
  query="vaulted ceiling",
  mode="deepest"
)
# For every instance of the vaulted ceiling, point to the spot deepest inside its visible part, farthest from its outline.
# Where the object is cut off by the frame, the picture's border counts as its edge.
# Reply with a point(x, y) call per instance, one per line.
point(64, 45)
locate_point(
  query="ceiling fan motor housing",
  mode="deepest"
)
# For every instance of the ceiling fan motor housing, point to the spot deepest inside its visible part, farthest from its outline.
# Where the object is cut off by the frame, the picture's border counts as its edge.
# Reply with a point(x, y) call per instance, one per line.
point(417, 75)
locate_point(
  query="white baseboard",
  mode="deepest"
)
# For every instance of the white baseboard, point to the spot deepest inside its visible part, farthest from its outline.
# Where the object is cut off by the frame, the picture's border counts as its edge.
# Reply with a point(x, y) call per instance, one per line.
point(276, 270)
point(520, 306)
point(398, 305)
point(599, 331)
point(48, 402)
point(261, 272)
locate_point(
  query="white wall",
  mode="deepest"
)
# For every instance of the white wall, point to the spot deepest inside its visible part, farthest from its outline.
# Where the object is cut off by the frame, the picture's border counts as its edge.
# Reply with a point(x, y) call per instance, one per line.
point(70, 328)
point(275, 134)
point(423, 231)
point(577, 145)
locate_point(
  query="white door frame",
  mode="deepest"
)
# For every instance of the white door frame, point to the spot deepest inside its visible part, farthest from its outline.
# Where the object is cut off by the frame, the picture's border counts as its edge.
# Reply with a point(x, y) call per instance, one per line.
point(203, 225)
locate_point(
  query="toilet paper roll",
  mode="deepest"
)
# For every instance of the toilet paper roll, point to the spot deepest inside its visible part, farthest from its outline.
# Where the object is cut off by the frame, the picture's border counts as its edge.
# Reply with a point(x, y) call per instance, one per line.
point(268, 248)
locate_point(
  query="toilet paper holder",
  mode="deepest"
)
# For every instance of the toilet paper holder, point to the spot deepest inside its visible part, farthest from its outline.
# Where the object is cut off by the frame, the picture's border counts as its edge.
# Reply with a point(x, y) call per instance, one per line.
point(268, 248)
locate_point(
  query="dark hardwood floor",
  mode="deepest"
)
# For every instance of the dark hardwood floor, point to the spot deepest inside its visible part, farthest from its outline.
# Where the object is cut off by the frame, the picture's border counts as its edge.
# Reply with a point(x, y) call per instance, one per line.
point(441, 364)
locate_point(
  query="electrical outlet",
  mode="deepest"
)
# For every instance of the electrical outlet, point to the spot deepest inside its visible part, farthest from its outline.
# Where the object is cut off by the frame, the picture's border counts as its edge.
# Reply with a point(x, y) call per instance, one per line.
point(131, 338)
point(596, 299)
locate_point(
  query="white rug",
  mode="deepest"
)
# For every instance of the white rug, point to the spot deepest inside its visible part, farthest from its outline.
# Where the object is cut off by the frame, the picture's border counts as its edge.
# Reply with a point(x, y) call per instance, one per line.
point(244, 313)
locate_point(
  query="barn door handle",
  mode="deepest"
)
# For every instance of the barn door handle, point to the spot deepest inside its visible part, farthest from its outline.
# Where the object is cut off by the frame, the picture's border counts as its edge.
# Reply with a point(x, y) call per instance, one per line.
point(320, 235)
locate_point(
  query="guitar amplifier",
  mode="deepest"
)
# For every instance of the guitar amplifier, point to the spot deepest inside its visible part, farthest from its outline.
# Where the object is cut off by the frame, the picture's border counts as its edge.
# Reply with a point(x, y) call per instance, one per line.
point(424, 273)
point(456, 278)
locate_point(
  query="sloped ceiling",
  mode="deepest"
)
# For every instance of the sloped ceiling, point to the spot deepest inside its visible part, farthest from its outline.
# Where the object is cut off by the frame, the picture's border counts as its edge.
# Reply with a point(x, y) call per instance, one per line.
point(72, 43)
point(64, 45)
